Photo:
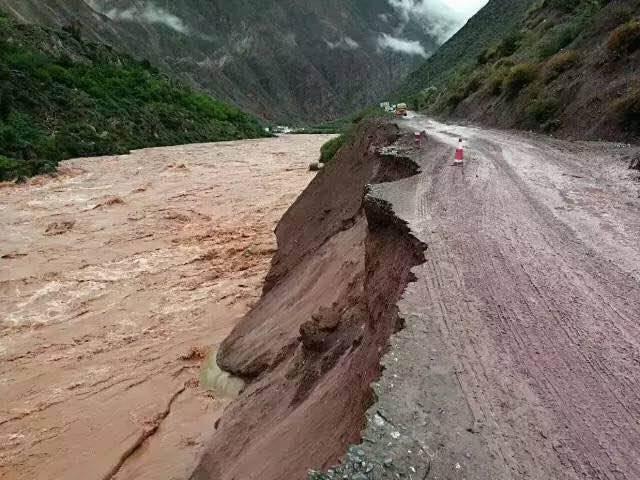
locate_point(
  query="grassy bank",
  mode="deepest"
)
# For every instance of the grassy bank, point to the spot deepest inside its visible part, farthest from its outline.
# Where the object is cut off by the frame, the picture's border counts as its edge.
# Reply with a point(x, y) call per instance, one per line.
point(61, 97)
point(346, 127)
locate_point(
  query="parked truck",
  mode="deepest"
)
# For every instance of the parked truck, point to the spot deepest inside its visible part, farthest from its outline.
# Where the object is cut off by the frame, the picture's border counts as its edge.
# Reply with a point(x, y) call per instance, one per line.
point(401, 110)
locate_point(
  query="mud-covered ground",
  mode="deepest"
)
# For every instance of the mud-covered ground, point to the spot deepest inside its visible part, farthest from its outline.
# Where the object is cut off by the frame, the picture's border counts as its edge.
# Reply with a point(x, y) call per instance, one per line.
point(116, 279)
point(519, 359)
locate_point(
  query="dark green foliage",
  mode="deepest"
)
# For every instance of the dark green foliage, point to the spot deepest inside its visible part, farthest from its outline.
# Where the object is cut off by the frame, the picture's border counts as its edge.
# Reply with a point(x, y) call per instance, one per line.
point(471, 45)
point(613, 17)
point(507, 47)
point(347, 127)
point(497, 79)
point(519, 77)
point(542, 110)
point(329, 149)
point(74, 29)
point(557, 40)
point(424, 98)
point(581, 20)
point(61, 98)
point(559, 64)
point(463, 85)
point(564, 6)
point(627, 109)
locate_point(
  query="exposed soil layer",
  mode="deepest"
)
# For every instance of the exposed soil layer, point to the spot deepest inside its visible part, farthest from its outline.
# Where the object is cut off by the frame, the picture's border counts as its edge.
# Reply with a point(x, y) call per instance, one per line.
point(116, 279)
point(509, 289)
point(312, 346)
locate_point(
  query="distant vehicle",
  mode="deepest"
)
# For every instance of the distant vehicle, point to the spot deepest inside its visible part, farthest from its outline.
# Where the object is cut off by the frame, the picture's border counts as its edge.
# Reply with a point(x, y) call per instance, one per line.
point(402, 110)
point(387, 107)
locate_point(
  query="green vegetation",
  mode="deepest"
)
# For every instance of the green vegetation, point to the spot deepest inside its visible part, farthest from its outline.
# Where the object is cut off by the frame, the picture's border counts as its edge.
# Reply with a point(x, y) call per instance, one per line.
point(523, 69)
point(613, 17)
point(469, 84)
point(497, 80)
point(542, 111)
point(329, 149)
point(62, 98)
point(347, 128)
point(559, 64)
point(519, 77)
point(507, 47)
point(488, 35)
point(627, 110)
point(625, 39)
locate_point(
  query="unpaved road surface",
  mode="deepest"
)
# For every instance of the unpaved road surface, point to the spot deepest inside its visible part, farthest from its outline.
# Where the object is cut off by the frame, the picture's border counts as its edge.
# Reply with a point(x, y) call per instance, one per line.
point(521, 356)
point(116, 278)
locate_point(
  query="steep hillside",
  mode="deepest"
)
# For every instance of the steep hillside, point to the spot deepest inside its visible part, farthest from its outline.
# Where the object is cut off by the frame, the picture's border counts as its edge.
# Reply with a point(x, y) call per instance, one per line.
point(282, 60)
point(487, 27)
point(61, 98)
point(567, 68)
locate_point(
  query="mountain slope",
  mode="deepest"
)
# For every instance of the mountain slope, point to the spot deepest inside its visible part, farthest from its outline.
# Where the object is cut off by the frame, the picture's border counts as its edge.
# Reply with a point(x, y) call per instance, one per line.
point(280, 59)
point(61, 98)
point(488, 26)
point(567, 68)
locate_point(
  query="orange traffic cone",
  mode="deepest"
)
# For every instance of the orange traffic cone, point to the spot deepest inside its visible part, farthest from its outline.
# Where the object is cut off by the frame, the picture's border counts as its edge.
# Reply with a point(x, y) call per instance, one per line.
point(459, 154)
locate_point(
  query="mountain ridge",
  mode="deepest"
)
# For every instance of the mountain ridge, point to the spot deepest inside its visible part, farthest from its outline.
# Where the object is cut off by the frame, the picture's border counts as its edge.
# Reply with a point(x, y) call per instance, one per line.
point(61, 97)
point(287, 60)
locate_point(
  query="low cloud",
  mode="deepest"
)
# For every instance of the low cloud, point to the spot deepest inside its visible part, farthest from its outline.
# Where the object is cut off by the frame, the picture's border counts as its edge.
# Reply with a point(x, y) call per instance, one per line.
point(402, 45)
point(148, 13)
point(440, 18)
point(345, 43)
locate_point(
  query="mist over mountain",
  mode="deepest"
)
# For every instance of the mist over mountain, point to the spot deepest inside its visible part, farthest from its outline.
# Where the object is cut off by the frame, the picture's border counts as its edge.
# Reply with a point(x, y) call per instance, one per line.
point(282, 60)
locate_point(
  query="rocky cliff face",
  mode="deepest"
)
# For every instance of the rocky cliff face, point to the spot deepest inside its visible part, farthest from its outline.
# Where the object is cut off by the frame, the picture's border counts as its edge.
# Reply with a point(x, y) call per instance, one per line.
point(283, 60)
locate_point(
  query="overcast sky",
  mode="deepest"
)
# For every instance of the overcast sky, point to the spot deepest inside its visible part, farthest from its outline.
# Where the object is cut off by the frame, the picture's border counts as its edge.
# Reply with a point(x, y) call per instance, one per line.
point(439, 18)
point(464, 8)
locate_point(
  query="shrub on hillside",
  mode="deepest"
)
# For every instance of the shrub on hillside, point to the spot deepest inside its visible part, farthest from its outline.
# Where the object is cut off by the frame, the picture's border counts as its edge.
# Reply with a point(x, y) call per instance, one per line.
point(557, 39)
point(627, 109)
point(329, 150)
point(424, 98)
point(560, 63)
point(496, 80)
point(581, 20)
point(625, 39)
point(466, 86)
point(507, 47)
point(542, 110)
point(519, 77)
point(613, 17)
point(560, 5)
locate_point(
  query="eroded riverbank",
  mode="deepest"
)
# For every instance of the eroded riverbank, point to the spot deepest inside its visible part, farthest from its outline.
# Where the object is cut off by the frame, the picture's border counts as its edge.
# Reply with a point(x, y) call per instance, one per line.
point(115, 280)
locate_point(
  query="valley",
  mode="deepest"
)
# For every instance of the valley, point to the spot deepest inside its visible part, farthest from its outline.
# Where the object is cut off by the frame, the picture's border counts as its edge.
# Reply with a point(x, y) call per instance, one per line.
point(443, 288)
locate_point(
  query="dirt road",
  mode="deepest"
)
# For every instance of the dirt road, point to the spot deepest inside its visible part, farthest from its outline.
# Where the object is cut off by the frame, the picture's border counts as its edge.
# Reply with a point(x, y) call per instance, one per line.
point(521, 355)
point(116, 278)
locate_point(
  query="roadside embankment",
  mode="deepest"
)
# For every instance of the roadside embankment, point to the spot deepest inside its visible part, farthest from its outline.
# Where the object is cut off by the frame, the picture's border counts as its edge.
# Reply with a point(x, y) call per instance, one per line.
point(311, 348)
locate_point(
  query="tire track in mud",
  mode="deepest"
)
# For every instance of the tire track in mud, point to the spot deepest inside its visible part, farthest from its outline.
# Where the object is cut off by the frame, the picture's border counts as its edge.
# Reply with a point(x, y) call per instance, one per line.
point(524, 312)
point(564, 341)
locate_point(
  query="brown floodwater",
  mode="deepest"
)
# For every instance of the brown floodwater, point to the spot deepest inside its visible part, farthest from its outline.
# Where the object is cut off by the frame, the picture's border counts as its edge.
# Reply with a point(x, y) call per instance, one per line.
point(117, 279)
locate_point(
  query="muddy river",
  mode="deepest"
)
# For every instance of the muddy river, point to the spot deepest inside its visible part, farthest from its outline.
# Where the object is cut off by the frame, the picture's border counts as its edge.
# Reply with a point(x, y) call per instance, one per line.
point(117, 279)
